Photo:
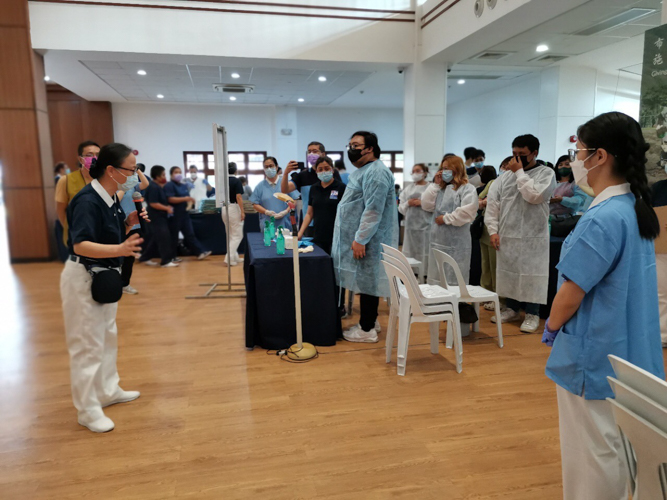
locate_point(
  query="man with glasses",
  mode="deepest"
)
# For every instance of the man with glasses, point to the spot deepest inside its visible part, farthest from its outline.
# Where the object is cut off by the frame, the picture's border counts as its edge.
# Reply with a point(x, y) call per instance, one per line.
point(517, 215)
point(366, 218)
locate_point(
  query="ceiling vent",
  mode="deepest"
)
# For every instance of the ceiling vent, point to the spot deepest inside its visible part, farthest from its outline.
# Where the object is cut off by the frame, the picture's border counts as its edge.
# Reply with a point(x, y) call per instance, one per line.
point(614, 22)
point(233, 88)
point(492, 56)
point(548, 58)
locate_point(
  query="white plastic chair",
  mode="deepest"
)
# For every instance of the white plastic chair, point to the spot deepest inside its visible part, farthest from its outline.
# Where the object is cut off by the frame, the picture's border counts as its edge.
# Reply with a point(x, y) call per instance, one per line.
point(418, 267)
point(640, 380)
point(650, 447)
point(467, 293)
point(413, 310)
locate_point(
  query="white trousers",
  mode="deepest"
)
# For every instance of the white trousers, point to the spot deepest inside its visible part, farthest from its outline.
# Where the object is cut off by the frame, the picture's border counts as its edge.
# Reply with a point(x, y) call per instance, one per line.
point(661, 267)
point(92, 341)
point(235, 232)
point(594, 466)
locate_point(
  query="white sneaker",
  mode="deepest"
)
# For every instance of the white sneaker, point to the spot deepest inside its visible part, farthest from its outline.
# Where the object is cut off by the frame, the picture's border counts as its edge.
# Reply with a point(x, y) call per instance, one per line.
point(378, 328)
point(356, 334)
point(530, 324)
point(150, 263)
point(203, 255)
point(102, 424)
point(122, 397)
point(170, 264)
point(240, 260)
point(490, 306)
point(130, 290)
point(507, 316)
point(231, 264)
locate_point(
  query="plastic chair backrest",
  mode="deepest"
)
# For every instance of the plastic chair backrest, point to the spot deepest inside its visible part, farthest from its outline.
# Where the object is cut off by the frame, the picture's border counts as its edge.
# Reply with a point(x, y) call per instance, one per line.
point(640, 404)
point(640, 380)
point(403, 266)
point(393, 288)
point(398, 255)
point(441, 258)
point(393, 272)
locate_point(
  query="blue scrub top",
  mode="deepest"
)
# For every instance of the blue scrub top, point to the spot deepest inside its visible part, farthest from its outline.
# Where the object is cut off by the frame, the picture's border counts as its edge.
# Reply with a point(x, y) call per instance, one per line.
point(127, 203)
point(173, 189)
point(607, 258)
point(263, 195)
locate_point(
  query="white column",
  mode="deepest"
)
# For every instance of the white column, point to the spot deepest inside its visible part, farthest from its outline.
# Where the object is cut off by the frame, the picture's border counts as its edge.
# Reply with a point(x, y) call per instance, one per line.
point(424, 114)
point(285, 136)
point(664, 12)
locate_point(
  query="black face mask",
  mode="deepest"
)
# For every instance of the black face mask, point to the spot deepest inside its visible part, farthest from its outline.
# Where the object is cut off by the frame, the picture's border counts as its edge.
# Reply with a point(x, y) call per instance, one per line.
point(524, 161)
point(354, 155)
point(565, 171)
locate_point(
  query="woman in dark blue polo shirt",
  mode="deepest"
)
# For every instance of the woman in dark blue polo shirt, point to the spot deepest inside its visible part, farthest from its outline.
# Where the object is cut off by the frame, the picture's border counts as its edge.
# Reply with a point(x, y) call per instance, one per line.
point(97, 229)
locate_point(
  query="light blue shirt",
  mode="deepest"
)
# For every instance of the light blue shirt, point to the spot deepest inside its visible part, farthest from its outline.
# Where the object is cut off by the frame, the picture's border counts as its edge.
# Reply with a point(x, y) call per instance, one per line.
point(607, 258)
point(263, 195)
point(127, 204)
point(578, 202)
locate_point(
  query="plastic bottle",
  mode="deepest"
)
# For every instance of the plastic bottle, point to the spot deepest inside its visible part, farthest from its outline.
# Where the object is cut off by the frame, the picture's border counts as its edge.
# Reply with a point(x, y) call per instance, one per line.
point(272, 227)
point(267, 234)
point(280, 242)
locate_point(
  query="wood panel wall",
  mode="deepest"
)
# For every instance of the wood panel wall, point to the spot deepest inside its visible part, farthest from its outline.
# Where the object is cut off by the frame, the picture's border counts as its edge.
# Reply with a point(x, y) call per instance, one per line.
point(25, 149)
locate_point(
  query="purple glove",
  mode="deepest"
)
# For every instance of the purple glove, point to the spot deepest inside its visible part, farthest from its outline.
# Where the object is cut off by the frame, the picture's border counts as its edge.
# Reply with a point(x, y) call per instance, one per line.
point(549, 335)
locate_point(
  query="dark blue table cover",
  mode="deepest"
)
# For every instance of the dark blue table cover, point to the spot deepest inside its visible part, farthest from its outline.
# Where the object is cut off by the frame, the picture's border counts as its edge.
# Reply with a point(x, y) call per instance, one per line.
point(270, 309)
point(210, 231)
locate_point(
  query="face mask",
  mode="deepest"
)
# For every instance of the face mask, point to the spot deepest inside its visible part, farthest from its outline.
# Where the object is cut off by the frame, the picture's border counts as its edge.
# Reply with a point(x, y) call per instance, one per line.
point(67, 171)
point(447, 176)
point(312, 158)
point(129, 183)
point(325, 176)
point(417, 177)
point(524, 161)
point(271, 172)
point(478, 165)
point(581, 172)
point(193, 176)
point(178, 178)
point(88, 161)
point(354, 155)
point(564, 171)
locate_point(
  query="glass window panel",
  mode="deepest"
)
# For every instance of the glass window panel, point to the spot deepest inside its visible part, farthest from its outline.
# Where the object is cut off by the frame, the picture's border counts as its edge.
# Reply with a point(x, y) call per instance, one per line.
point(399, 164)
point(239, 158)
point(256, 157)
point(254, 179)
point(335, 156)
point(195, 159)
point(211, 161)
point(256, 165)
point(211, 180)
point(398, 177)
point(399, 156)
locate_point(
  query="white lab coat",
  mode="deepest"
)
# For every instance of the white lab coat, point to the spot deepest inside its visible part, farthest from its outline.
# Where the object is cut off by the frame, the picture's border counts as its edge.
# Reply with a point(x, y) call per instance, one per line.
point(417, 224)
point(198, 191)
point(518, 211)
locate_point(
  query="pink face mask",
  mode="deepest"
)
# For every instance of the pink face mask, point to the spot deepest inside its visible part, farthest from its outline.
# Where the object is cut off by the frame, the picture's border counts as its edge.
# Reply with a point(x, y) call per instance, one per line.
point(88, 161)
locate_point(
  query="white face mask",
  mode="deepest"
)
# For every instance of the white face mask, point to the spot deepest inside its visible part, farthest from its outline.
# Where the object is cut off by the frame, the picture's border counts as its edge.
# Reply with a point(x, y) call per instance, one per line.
point(580, 172)
point(193, 176)
point(417, 177)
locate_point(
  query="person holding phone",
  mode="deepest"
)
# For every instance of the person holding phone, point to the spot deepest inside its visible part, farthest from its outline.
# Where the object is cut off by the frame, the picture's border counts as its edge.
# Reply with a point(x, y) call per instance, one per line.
point(517, 217)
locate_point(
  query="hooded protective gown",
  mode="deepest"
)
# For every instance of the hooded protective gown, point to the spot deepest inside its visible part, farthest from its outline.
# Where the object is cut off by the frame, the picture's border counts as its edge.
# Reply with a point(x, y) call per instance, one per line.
point(417, 224)
point(458, 208)
point(367, 214)
point(518, 211)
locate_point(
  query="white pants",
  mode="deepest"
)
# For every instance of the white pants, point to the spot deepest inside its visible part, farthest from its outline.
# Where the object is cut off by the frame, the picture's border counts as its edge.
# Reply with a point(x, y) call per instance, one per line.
point(235, 232)
point(92, 341)
point(661, 266)
point(592, 454)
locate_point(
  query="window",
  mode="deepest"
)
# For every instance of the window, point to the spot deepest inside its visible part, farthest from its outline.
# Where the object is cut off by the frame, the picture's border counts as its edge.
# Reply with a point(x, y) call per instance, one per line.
point(335, 155)
point(394, 160)
point(250, 164)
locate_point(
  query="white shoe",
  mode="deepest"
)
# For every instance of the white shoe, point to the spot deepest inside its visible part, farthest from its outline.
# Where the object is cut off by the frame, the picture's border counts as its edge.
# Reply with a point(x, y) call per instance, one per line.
point(530, 324)
point(378, 328)
point(203, 255)
point(490, 306)
point(231, 264)
point(130, 290)
point(507, 316)
point(177, 260)
point(122, 397)
point(102, 424)
point(239, 260)
point(170, 264)
point(356, 334)
point(150, 263)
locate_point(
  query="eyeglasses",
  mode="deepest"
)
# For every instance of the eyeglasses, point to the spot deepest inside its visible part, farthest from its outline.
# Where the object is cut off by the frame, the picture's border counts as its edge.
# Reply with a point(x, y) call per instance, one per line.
point(133, 170)
point(355, 146)
point(572, 153)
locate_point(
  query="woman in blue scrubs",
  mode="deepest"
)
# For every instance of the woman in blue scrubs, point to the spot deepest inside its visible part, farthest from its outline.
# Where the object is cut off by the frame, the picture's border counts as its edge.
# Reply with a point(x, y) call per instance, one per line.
point(607, 303)
point(265, 203)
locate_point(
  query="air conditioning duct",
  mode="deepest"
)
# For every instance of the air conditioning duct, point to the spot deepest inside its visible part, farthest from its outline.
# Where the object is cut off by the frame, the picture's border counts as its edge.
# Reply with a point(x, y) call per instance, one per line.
point(233, 88)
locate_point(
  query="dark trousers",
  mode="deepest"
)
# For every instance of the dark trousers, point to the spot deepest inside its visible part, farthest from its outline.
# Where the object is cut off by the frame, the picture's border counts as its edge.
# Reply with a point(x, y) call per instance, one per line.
point(368, 305)
point(63, 253)
point(530, 308)
point(128, 263)
point(182, 223)
point(159, 242)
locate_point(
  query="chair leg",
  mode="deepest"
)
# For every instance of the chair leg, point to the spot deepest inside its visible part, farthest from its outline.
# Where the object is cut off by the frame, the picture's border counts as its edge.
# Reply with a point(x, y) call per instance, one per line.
point(449, 339)
point(391, 331)
point(403, 336)
point(475, 326)
point(434, 329)
point(499, 324)
point(458, 341)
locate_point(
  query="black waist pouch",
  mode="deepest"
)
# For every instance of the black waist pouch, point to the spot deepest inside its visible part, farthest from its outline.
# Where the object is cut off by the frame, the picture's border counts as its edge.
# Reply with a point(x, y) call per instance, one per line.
point(107, 286)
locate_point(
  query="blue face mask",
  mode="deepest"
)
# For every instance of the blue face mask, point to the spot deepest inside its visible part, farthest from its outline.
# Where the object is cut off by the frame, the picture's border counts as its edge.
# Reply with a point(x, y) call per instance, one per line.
point(271, 172)
point(325, 176)
point(129, 184)
point(447, 176)
point(478, 165)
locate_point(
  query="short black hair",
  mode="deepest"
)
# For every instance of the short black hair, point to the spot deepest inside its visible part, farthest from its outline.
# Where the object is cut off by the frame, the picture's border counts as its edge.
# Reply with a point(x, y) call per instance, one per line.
point(113, 154)
point(232, 168)
point(370, 141)
point(487, 174)
point(194, 166)
point(527, 141)
point(561, 159)
point(85, 144)
point(480, 153)
point(243, 179)
point(273, 159)
point(171, 170)
point(324, 159)
point(340, 165)
point(141, 167)
point(59, 165)
point(469, 153)
point(156, 171)
point(318, 144)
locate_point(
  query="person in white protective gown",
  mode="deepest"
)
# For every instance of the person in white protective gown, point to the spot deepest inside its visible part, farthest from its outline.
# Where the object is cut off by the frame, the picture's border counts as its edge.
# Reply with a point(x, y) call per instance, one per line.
point(366, 218)
point(454, 203)
point(199, 187)
point(417, 220)
point(517, 217)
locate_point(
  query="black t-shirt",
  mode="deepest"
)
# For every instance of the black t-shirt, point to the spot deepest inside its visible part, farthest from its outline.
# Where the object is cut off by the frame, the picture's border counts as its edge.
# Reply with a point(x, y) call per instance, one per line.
point(659, 191)
point(90, 218)
point(235, 187)
point(325, 204)
point(308, 177)
point(155, 194)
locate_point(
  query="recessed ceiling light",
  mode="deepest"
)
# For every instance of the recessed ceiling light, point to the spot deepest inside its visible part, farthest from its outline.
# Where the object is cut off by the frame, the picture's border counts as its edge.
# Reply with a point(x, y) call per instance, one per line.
point(160, 96)
point(542, 48)
point(232, 98)
point(461, 82)
point(322, 78)
point(47, 78)
point(301, 99)
point(236, 75)
point(141, 72)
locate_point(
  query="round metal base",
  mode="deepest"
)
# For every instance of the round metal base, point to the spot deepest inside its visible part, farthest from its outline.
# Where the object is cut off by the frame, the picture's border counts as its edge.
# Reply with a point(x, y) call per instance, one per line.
point(307, 351)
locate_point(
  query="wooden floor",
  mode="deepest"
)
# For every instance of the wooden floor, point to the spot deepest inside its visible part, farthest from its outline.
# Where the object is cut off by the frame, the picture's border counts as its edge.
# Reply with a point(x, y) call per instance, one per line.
point(217, 421)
